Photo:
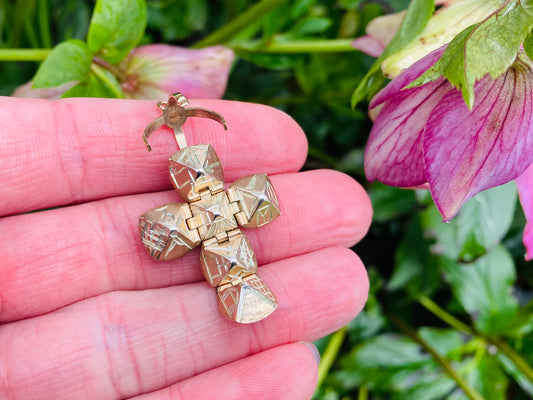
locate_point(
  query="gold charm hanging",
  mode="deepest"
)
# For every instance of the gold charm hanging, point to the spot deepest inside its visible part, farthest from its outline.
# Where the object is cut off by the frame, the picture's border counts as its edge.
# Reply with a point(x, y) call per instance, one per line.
point(211, 217)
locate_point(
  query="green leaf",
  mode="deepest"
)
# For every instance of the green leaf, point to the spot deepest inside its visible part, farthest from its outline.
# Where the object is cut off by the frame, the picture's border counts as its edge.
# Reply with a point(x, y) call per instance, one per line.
point(480, 225)
point(68, 62)
point(444, 341)
point(489, 47)
point(489, 379)
point(414, 268)
point(511, 368)
point(387, 351)
point(414, 22)
point(485, 219)
point(310, 25)
point(116, 27)
point(484, 289)
point(100, 83)
point(528, 46)
point(390, 202)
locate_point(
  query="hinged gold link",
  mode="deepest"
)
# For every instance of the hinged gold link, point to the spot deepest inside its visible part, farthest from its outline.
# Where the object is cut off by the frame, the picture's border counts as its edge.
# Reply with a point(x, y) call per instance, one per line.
point(236, 282)
point(235, 201)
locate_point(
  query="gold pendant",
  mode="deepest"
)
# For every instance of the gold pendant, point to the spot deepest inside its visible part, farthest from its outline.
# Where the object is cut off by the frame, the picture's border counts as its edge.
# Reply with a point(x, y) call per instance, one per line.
point(211, 217)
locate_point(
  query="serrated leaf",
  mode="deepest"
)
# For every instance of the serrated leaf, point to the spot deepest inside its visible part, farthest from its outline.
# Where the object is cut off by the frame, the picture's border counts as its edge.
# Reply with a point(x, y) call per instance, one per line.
point(68, 62)
point(489, 47)
point(413, 23)
point(116, 27)
point(484, 289)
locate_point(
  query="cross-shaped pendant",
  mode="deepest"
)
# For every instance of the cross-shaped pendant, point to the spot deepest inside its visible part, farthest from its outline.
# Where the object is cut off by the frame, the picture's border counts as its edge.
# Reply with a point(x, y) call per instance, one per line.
point(211, 217)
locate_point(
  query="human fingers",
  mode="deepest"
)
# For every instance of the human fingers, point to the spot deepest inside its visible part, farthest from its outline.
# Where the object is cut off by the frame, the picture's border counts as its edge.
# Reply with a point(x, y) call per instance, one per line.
point(54, 258)
point(287, 372)
point(123, 344)
point(74, 150)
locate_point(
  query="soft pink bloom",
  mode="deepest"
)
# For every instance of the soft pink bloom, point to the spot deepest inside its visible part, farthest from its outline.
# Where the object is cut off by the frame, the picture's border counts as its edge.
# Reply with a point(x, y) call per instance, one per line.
point(525, 190)
point(156, 70)
point(153, 71)
point(428, 135)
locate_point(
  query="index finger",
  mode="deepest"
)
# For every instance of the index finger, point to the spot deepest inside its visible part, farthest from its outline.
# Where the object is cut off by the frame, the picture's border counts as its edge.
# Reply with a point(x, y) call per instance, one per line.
point(74, 150)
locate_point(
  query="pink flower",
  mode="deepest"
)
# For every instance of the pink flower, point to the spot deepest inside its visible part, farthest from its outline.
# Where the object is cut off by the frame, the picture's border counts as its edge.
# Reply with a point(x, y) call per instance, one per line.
point(525, 190)
point(153, 71)
point(427, 135)
point(156, 70)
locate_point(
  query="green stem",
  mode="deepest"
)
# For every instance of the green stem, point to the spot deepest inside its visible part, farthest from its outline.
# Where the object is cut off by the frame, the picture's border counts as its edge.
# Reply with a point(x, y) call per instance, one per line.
point(330, 354)
point(226, 32)
point(500, 344)
point(99, 72)
point(363, 393)
point(44, 24)
point(514, 357)
point(445, 315)
point(297, 46)
point(24, 54)
point(467, 389)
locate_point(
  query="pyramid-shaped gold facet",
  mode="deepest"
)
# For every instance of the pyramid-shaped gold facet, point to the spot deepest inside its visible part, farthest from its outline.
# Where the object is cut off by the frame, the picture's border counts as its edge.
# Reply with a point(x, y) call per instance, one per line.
point(195, 168)
point(257, 200)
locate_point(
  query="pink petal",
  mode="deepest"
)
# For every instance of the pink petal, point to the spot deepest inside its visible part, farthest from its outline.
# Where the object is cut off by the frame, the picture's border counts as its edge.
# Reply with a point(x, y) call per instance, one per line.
point(525, 190)
point(396, 86)
point(393, 154)
point(52, 93)
point(367, 44)
point(380, 32)
point(154, 71)
point(467, 152)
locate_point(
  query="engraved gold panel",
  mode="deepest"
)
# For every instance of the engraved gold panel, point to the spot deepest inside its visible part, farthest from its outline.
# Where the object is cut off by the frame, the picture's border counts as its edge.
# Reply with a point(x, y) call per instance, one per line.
point(257, 200)
point(215, 214)
point(247, 302)
point(164, 231)
point(229, 261)
point(194, 169)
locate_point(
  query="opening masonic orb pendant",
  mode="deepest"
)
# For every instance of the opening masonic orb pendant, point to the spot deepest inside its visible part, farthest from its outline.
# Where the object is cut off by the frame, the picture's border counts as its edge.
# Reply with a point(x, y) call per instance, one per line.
point(211, 217)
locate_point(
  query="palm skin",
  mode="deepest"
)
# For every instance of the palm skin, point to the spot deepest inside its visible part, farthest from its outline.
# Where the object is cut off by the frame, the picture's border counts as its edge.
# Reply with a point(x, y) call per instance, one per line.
point(85, 313)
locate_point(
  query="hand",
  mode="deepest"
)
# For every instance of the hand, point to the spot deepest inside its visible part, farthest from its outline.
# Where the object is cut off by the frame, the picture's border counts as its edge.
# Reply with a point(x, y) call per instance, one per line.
point(87, 314)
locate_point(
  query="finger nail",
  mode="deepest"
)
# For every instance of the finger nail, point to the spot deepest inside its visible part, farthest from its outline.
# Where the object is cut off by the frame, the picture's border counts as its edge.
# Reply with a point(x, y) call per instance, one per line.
point(314, 350)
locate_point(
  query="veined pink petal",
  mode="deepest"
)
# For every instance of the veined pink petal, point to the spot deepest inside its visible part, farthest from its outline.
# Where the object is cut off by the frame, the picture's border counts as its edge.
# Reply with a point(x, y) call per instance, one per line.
point(393, 154)
point(153, 71)
point(397, 85)
point(467, 152)
point(525, 191)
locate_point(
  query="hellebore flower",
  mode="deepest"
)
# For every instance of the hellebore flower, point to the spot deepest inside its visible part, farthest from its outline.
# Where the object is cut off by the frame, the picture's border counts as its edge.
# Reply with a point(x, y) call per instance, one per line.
point(153, 71)
point(451, 18)
point(427, 135)
point(525, 190)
